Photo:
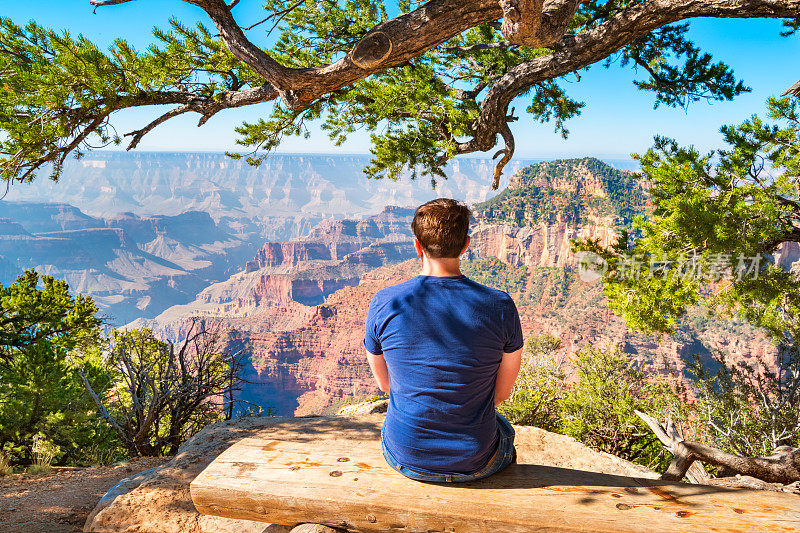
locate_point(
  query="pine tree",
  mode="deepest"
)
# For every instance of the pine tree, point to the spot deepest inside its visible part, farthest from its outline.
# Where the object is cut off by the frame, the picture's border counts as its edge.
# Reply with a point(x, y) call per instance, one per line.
point(41, 393)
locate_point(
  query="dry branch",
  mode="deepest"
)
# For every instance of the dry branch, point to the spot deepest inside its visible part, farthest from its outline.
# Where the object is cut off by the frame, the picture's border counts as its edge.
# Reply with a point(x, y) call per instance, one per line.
point(669, 436)
point(783, 466)
point(794, 90)
point(574, 52)
point(101, 3)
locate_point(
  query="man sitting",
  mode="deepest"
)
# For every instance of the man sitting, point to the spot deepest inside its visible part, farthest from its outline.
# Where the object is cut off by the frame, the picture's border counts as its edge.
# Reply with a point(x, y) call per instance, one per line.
point(447, 350)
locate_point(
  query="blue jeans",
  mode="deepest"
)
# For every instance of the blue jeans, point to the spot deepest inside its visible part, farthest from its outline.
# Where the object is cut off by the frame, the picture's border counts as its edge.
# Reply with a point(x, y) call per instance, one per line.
point(502, 457)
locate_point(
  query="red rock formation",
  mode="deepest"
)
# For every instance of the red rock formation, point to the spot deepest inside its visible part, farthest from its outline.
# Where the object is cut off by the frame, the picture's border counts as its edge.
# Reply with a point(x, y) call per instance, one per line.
point(274, 254)
point(320, 364)
point(543, 245)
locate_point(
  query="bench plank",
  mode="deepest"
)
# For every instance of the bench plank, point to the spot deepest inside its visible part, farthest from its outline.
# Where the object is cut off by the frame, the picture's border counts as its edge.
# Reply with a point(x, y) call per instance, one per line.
point(346, 483)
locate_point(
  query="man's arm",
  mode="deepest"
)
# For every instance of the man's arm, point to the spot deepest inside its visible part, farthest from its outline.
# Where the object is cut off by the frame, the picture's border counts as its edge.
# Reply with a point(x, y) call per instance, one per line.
point(379, 370)
point(506, 376)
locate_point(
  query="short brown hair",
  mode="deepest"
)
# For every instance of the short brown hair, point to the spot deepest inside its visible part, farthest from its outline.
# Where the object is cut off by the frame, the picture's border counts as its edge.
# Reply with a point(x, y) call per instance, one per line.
point(441, 226)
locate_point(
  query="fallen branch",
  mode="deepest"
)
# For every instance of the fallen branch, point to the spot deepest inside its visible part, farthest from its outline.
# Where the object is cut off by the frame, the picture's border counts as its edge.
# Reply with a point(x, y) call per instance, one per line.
point(782, 466)
point(670, 437)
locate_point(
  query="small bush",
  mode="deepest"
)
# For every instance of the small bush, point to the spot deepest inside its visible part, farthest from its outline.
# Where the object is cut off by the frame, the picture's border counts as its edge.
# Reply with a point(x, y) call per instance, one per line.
point(749, 408)
point(539, 387)
point(37, 469)
point(101, 455)
point(5, 465)
point(598, 409)
point(43, 453)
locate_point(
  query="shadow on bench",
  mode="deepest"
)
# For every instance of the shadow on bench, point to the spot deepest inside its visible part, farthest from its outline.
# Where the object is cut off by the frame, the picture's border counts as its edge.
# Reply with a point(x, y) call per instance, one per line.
point(346, 484)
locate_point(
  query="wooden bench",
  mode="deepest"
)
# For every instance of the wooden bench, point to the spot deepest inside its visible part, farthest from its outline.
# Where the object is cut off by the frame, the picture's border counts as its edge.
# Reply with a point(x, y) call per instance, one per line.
point(347, 484)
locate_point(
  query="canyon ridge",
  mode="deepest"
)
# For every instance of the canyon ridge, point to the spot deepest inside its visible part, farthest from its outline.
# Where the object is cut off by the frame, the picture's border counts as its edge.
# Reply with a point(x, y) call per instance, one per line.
point(297, 309)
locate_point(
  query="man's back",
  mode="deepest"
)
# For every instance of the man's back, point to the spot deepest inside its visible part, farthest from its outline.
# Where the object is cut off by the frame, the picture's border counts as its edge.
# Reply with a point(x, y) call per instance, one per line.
point(443, 338)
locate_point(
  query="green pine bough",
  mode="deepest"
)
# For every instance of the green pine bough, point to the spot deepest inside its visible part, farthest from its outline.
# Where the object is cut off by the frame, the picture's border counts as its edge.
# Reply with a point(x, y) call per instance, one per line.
point(718, 221)
point(434, 80)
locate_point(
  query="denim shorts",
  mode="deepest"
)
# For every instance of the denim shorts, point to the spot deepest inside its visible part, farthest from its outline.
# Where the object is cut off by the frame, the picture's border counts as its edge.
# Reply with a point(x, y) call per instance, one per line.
point(502, 457)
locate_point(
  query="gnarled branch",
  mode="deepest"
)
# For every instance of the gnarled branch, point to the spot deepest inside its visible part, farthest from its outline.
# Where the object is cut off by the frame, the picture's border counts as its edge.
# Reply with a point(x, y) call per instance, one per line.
point(535, 23)
point(507, 152)
point(388, 44)
point(574, 52)
point(794, 90)
point(783, 466)
point(670, 437)
point(540, 23)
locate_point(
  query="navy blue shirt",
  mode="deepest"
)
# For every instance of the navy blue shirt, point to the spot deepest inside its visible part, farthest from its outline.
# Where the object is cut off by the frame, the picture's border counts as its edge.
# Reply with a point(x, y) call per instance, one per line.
point(443, 339)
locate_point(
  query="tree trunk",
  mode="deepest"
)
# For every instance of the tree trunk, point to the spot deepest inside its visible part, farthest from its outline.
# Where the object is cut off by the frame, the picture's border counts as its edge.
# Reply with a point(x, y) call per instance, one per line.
point(783, 466)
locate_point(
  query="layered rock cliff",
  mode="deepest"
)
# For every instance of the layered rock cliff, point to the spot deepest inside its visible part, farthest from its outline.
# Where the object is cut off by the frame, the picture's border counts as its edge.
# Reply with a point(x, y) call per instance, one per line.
point(545, 205)
point(572, 191)
point(540, 245)
point(335, 254)
point(306, 354)
point(132, 266)
point(282, 198)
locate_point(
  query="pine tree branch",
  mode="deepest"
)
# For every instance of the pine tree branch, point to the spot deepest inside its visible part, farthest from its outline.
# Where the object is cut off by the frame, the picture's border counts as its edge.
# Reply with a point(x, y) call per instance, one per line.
point(574, 52)
point(87, 121)
point(507, 153)
point(396, 41)
point(138, 134)
point(406, 36)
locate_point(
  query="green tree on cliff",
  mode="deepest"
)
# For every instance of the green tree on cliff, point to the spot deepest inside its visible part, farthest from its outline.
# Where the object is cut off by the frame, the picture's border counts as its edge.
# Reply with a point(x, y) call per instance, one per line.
point(41, 324)
point(429, 80)
point(718, 219)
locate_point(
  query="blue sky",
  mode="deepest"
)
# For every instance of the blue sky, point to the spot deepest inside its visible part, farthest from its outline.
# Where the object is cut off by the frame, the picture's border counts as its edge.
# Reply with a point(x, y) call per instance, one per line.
point(617, 120)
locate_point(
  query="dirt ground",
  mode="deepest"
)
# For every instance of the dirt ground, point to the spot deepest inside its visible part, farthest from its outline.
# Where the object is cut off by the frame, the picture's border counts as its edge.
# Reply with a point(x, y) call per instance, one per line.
point(60, 502)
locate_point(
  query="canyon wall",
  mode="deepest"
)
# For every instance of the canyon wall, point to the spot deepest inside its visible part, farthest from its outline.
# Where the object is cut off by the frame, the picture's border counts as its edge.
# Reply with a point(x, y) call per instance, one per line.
point(132, 266)
point(541, 245)
point(285, 196)
point(335, 254)
point(298, 308)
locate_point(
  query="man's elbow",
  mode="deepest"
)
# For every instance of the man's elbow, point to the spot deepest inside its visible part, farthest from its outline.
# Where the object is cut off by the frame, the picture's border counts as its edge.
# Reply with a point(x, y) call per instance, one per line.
point(383, 383)
point(500, 398)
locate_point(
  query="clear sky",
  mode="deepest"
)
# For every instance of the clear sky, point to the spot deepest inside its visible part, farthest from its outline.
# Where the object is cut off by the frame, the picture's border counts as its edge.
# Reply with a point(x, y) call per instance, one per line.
point(617, 120)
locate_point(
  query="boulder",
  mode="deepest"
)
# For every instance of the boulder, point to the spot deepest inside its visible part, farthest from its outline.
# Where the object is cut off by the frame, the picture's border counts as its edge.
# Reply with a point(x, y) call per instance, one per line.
point(364, 408)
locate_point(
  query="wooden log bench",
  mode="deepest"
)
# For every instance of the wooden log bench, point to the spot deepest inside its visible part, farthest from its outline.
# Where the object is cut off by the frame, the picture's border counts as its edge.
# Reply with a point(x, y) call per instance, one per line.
point(346, 484)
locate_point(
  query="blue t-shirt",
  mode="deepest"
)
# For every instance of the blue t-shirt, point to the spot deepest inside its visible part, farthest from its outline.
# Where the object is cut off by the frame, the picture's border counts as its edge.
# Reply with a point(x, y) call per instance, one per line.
point(443, 339)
